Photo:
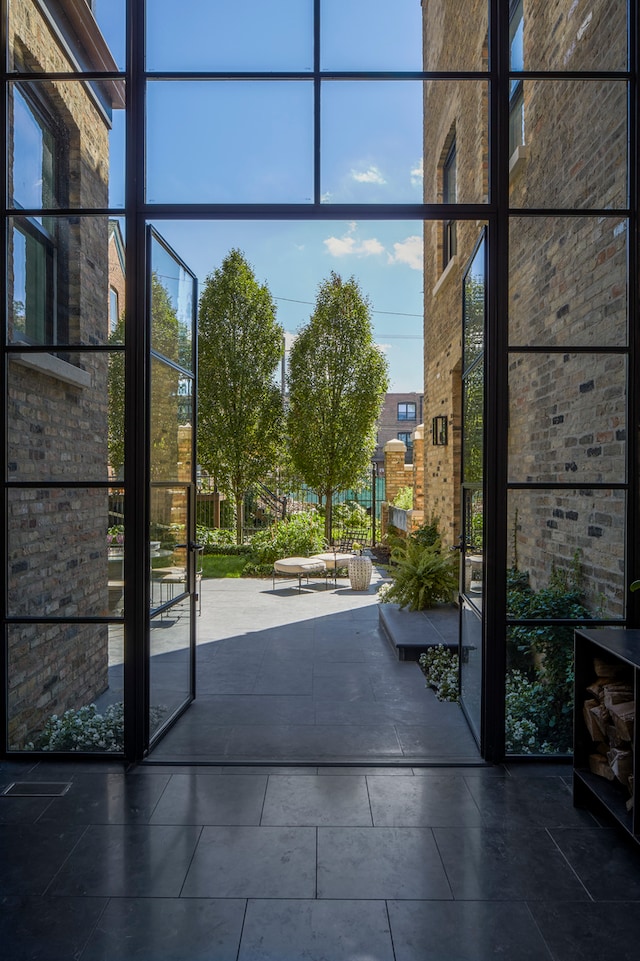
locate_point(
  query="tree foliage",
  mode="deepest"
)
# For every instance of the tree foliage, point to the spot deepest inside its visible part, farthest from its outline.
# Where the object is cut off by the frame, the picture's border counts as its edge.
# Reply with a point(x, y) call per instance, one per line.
point(240, 404)
point(337, 381)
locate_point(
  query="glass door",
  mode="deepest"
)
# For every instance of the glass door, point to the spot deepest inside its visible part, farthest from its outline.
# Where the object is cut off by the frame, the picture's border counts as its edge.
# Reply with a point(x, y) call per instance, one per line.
point(172, 548)
point(472, 585)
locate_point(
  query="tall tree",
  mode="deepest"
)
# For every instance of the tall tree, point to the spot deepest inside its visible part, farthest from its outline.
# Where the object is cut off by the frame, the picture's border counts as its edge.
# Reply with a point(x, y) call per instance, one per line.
point(337, 381)
point(239, 401)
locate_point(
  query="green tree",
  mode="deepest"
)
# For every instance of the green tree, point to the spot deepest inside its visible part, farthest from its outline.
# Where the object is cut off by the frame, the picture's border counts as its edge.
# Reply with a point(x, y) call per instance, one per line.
point(240, 404)
point(337, 381)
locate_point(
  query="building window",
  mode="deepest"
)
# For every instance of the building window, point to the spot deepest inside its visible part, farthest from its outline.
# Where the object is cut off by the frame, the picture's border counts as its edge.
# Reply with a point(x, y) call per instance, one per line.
point(33, 254)
point(516, 88)
point(449, 196)
point(439, 431)
point(406, 437)
point(114, 310)
point(406, 411)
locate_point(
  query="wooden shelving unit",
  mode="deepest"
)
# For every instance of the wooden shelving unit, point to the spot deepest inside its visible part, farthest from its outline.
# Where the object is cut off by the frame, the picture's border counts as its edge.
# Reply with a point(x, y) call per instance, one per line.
point(619, 649)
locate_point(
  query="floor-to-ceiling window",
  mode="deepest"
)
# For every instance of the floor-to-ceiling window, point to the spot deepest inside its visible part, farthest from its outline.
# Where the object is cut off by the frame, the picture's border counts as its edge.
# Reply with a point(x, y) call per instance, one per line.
point(318, 111)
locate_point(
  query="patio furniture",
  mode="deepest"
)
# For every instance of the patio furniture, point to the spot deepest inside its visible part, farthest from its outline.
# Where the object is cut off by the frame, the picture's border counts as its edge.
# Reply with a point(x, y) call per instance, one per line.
point(360, 569)
point(333, 560)
point(298, 567)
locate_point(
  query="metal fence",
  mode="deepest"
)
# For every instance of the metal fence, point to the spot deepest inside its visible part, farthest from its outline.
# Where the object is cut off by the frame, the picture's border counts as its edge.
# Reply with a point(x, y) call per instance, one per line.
point(353, 509)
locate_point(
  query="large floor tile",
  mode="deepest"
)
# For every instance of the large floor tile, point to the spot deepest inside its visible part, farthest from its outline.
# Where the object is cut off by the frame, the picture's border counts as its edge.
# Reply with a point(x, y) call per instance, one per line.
point(32, 854)
point(423, 802)
point(110, 799)
point(128, 860)
point(576, 932)
point(161, 929)
point(447, 741)
point(485, 864)
point(253, 862)
point(529, 802)
point(317, 800)
point(198, 799)
point(335, 930)
point(607, 863)
point(374, 863)
point(465, 931)
point(47, 929)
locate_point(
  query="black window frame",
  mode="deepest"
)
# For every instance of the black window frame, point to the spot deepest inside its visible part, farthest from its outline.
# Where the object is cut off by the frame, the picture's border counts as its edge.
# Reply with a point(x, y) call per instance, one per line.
point(405, 416)
point(449, 196)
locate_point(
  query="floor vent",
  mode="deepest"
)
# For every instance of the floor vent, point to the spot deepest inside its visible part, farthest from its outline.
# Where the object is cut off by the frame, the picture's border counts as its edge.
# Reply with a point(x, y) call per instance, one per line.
point(37, 789)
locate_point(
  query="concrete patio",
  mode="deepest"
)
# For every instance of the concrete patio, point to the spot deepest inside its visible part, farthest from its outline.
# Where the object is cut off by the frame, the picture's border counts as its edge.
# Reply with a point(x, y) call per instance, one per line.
point(308, 678)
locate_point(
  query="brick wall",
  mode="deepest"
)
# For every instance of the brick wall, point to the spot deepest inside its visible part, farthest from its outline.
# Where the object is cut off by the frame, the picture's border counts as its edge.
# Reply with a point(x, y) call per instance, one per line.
point(567, 285)
point(57, 552)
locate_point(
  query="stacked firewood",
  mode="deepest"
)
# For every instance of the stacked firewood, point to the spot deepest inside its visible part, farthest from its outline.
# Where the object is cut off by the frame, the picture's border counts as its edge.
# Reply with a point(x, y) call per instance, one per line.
point(609, 714)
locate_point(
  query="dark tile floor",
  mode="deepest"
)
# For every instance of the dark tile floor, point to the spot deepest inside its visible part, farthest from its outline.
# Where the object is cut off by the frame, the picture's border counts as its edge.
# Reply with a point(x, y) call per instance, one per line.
point(282, 864)
point(437, 860)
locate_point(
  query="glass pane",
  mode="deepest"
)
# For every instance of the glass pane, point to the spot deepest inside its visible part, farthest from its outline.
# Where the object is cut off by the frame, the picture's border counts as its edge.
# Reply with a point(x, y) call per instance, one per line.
point(59, 37)
point(455, 35)
point(293, 257)
point(573, 36)
point(471, 665)
point(568, 161)
point(372, 142)
point(456, 119)
point(72, 671)
point(473, 520)
point(248, 35)
point(568, 282)
point(172, 306)
point(67, 144)
point(115, 552)
point(567, 418)
point(171, 423)
point(169, 665)
point(356, 36)
point(539, 690)
point(167, 542)
point(61, 275)
point(265, 158)
point(474, 308)
point(473, 424)
point(566, 553)
point(110, 16)
point(57, 552)
point(65, 416)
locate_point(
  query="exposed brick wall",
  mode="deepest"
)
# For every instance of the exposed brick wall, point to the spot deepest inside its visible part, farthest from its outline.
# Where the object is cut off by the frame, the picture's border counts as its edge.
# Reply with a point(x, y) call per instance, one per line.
point(567, 284)
point(57, 551)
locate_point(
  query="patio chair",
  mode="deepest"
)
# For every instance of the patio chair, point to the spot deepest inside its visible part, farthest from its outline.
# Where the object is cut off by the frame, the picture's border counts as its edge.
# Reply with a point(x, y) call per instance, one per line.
point(299, 567)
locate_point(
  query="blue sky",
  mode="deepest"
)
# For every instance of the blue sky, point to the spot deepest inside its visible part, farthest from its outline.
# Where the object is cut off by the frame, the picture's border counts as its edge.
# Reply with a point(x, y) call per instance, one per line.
point(252, 142)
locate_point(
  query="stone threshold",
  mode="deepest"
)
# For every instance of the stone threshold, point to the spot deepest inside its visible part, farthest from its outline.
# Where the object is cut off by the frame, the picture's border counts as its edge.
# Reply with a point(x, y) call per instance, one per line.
point(410, 633)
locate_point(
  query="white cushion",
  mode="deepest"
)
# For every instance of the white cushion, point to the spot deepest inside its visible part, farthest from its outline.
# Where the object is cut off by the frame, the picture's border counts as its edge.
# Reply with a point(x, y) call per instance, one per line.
point(333, 560)
point(298, 565)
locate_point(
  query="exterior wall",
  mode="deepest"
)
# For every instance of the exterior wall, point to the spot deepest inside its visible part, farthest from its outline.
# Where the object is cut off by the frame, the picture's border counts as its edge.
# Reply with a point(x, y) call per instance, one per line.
point(388, 424)
point(57, 415)
point(568, 287)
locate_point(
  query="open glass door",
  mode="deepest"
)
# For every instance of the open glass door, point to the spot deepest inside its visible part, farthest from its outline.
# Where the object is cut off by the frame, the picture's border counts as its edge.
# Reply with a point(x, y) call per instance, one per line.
point(172, 548)
point(472, 500)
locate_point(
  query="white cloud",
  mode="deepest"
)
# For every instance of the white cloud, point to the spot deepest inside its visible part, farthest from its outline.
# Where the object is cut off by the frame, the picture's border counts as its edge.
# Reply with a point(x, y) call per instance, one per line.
point(384, 348)
point(408, 252)
point(350, 245)
point(371, 176)
point(417, 174)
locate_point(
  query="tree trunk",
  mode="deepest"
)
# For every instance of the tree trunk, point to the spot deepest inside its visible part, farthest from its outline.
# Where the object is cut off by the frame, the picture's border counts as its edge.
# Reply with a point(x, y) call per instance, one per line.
point(328, 517)
point(239, 517)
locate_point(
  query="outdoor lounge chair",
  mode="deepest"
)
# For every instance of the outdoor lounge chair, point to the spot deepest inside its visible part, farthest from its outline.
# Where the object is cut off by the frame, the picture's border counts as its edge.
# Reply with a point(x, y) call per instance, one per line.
point(299, 567)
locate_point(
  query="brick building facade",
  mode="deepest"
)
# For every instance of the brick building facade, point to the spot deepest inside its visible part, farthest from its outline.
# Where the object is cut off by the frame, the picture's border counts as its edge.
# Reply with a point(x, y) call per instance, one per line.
point(567, 281)
point(57, 400)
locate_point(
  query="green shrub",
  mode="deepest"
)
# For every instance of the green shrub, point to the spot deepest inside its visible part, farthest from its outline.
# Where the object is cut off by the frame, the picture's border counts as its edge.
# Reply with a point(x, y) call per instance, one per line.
point(528, 709)
point(422, 574)
point(297, 536)
point(440, 667)
point(541, 655)
point(404, 499)
point(211, 536)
